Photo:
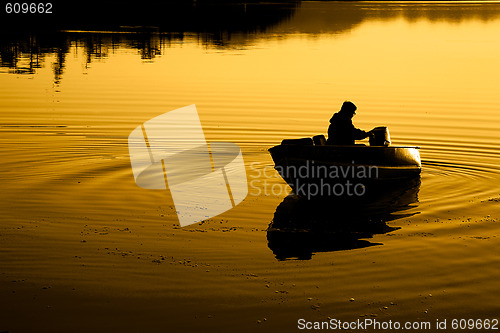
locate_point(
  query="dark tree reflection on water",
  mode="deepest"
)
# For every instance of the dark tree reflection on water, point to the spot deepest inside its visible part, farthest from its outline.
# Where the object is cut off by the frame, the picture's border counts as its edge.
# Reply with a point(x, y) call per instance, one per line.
point(155, 26)
point(24, 47)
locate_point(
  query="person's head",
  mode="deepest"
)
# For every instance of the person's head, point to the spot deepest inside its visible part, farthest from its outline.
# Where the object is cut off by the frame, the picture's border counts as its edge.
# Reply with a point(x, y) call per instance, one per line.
point(348, 108)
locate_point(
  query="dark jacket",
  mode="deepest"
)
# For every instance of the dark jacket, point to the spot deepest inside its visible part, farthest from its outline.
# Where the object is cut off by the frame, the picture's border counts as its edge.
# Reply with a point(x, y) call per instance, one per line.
point(342, 132)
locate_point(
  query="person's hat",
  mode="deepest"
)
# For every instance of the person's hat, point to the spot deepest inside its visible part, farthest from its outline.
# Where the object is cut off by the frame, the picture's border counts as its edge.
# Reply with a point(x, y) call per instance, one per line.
point(348, 107)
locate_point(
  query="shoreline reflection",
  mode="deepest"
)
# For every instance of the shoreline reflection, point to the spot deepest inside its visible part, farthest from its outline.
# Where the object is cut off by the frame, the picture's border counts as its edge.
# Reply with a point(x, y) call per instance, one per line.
point(301, 227)
point(25, 44)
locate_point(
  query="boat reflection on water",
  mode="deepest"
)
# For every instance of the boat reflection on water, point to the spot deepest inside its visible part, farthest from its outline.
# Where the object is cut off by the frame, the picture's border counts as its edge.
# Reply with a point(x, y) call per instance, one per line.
point(301, 227)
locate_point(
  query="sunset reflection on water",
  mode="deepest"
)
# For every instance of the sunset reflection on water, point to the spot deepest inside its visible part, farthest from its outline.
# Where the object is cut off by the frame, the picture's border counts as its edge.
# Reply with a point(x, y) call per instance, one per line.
point(74, 220)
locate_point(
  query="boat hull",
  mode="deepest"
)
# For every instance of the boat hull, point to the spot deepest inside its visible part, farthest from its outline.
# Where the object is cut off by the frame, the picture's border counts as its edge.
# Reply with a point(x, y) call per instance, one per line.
point(324, 167)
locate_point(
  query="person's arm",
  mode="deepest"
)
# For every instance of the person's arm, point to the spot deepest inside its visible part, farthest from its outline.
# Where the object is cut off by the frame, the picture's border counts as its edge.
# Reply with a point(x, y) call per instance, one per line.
point(359, 134)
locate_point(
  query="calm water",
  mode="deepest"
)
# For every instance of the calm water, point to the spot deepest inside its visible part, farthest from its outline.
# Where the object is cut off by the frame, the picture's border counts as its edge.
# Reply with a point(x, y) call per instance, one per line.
point(73, 218)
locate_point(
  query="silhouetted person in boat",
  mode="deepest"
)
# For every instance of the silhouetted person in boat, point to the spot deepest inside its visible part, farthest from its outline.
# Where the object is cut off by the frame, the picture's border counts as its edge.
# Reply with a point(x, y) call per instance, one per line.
point(341, 130)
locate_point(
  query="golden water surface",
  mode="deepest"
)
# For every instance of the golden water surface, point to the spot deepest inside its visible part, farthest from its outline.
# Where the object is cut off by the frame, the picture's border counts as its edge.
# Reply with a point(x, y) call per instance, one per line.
point(85, 249)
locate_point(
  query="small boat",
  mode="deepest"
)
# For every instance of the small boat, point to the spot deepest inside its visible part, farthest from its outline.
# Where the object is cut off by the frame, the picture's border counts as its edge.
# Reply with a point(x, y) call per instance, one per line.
point(313, 168)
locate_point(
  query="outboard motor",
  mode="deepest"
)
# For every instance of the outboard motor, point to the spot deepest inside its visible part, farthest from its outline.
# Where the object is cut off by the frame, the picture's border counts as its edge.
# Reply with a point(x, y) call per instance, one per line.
point(380, 136)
